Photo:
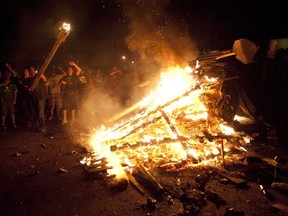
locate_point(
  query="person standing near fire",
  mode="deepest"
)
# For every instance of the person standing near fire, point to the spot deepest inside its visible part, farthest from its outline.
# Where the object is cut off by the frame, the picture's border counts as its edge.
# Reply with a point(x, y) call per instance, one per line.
point(55, 94)
point(8, 97)
point(39, 97)
point(98, 78)
point(113, 84)
point(27, 113)
point(69, 84)
point(84, 86)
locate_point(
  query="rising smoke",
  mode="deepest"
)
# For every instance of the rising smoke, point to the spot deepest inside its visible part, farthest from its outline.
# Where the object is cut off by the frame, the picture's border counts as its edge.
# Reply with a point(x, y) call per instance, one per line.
point(159, 40)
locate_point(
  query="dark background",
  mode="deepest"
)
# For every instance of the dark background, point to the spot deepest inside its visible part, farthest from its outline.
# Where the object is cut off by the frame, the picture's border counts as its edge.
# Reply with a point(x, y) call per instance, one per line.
point(99, 28)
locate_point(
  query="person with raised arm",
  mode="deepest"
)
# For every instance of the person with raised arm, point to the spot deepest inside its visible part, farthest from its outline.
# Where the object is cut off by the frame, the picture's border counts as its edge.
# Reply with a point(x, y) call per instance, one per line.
point(69, 85)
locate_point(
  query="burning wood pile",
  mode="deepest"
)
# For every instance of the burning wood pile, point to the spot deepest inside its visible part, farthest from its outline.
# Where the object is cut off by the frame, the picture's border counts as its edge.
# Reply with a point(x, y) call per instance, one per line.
point(178, 126)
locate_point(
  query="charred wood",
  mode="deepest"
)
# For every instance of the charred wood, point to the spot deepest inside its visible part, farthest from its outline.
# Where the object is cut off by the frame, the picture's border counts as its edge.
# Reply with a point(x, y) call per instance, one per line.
point(150, 177)
point(135, 182)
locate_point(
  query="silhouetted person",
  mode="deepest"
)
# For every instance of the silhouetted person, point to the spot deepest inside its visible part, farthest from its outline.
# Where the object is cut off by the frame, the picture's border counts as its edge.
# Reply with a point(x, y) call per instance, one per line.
point(39, 96)
point(8, 96)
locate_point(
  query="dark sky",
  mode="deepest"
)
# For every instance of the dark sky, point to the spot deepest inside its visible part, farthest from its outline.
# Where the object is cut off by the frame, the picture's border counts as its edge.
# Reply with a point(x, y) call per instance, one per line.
point(104, 30)
point(29, 29)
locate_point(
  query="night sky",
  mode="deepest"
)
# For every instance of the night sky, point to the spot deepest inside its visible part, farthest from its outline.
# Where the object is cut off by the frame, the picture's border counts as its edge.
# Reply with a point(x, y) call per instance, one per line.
point(103, 31)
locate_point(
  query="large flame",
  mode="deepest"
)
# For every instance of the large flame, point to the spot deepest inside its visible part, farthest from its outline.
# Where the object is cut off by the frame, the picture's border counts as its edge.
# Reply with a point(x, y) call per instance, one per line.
point(177, 111)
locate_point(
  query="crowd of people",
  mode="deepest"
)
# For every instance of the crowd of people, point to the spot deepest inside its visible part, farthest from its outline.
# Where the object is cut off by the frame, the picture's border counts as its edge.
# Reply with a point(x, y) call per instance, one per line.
point(55, 94)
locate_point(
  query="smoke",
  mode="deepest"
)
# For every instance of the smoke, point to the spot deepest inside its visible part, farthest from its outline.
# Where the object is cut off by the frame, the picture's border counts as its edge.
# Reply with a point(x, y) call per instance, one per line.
point(159, 39)
point(97, 109)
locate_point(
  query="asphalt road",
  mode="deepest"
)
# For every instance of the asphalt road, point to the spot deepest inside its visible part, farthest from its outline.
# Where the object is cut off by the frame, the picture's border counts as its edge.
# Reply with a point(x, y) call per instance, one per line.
point(41, 174)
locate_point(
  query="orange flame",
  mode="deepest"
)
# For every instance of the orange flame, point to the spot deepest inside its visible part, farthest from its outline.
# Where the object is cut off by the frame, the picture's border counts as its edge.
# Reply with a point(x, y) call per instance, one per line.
point(178, 100)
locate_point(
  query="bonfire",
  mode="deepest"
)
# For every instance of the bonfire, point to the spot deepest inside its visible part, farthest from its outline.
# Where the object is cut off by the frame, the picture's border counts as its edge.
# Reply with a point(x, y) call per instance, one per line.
point(177, 126)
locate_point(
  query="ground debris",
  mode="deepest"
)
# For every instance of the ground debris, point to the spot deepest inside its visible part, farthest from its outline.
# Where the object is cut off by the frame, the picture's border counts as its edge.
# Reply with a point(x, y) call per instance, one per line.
point(232, 212)
point(33, 173)
point(62, 170)
point(235, 180)
point(202, 180)
point(215, 198)
point(283, 208)
point(266, 193)
point(43, 145)
point(280, 186)
point(151, 203)
point(135, 182)
point(18, 154)
point(190, 209)
point(118, 185)
point(170, 200)
point(194, 196)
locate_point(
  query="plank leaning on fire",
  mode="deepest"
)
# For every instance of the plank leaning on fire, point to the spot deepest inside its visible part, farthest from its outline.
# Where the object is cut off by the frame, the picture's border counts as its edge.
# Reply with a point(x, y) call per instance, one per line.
point(61, 37)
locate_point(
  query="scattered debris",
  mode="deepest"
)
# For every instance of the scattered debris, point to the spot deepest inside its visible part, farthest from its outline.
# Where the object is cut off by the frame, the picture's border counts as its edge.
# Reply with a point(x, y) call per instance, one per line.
point(267, 194)
point(283, 208)
point(135, 182)
point(62, 170)
point(43, 145)
point(237, 181)
point(151, 203)
point(280, 186)
point(202, 180)
point(215, 198)
point(190, 209)
point(194, 197)
point(232, 212)
point(149, 177)
point(34, 173)
point(170, 200)
point(118, 185)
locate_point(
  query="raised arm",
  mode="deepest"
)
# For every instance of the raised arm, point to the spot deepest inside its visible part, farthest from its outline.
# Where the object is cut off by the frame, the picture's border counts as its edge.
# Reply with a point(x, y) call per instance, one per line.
point(43, 77)
point(78, 69)
point(62, 70)
point(10, 69)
